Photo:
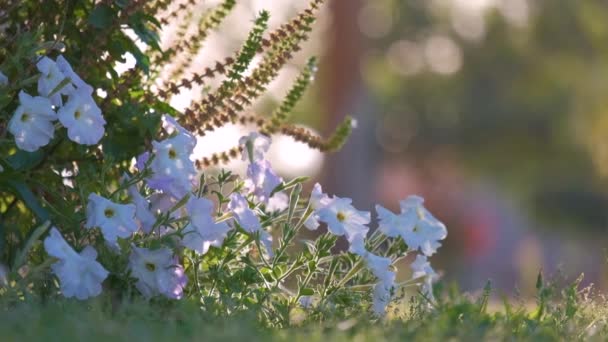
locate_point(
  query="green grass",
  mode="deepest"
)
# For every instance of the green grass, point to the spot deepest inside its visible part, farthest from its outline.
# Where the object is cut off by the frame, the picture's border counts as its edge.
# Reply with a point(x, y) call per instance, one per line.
point(558, 314)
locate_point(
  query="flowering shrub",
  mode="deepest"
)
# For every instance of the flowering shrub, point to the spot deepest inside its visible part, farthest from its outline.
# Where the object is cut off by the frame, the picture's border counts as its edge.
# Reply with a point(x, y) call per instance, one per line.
point(99, 185)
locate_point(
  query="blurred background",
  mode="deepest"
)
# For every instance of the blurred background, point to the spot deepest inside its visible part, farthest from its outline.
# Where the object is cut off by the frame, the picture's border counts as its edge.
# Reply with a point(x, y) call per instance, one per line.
point(492, 110)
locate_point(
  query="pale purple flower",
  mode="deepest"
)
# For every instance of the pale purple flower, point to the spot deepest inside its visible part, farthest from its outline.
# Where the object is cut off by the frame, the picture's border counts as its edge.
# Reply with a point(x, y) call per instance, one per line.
point(266, 240)
point(172, 127)
point(247, 219)
point(256, 145)
point(383, 290)
point(203, 232)
point(382, 296)
point(318, 200)
point(428, 231)
point(161, 203)
point(32, 122)
point(50, 78)
point(381, 269)
point(4, 273)
point(357, 246)
point(378, 265)
point(421, 268)
point(343, 219)
point(278, 202)
point(115, 220)
point(394, 225)
point(66, 69)
point(80, 275)
point(82, 117)
point(306, 301)
point(3, 80)
point(141, 160)
point(261, 180)
point(244, 216)
point(157, 272)
point(415, 224)
point(143, 214)
point(173, 170)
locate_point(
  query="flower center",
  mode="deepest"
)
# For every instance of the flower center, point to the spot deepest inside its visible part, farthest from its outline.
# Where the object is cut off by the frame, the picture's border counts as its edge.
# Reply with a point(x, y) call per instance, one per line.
point(415, 230)
point(77, 114)
point(340, 216)
point(109, 212)
point(25, 117)
point(150, 267)
point(172, 154)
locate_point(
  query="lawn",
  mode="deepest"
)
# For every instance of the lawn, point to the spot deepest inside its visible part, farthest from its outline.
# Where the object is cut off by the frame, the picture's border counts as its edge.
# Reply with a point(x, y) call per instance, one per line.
point(559, 314)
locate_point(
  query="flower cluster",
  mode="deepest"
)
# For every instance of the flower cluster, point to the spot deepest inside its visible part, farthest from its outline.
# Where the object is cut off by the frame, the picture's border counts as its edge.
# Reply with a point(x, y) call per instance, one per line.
point(32, 123)
point(415, 225)
point(165, 204)
point(171, 178)
point(139, 216)
point(167, 214)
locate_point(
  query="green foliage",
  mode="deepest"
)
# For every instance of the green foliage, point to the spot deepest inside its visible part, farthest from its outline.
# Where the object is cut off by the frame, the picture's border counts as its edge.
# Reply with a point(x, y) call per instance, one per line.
point(526, 89)
point(341, 134)
point(91, 36)
point(248, 51)
point(280, 115)
point(571, 314)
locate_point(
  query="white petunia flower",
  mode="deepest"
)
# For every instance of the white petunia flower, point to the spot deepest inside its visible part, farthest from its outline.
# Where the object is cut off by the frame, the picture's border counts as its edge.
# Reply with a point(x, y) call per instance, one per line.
point(244, 216)
point(415, 224)
point(32, 122)
point(266, 240)
point(393, 225)
point(143, 214)
point(157, 272)
point(82, 117)
point(317, 201)
point(256, 145)
point(203, 232)
point(381, 268)
point(80, 275)
point(428, 230)
point(3, 80)
point(66, 69)
point(378, 265)
point(50, 78)
point(173, 128)
point(343, 219)
point(261, 180)
point(247, 219)
point(421, 268)
point(173, 170)
point(383, 293)
point(115, 220)
point(306, 301)
point(278, 202)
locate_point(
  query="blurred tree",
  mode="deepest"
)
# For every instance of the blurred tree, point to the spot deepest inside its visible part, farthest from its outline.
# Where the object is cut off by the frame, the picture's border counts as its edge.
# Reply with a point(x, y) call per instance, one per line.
point(517, 93)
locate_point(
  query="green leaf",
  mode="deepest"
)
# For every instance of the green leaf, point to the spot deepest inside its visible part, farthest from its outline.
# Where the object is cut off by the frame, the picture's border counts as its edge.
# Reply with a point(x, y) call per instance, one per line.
point(23, 160)
point(307, 292)
point(144, 30)
point(27, 196)
point(35, 236)
point(289, 185)
point(101, 17)
point(294, 197)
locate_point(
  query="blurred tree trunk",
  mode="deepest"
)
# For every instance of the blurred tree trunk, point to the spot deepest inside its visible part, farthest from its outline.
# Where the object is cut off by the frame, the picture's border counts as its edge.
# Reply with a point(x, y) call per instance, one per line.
point(350, 172)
